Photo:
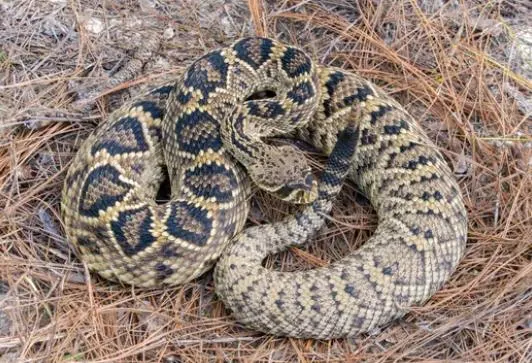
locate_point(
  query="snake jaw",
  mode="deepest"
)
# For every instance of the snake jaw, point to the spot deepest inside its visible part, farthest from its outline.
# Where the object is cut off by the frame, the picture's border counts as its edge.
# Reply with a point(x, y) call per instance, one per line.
point(300, 192)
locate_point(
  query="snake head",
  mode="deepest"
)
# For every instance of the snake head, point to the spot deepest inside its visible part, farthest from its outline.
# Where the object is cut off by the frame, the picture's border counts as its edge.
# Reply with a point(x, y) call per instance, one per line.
point(285, 173)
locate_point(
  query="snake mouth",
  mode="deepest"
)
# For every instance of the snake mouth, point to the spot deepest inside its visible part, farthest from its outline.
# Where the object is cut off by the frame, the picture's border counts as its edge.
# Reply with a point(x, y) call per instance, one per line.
point(300, 192)
point(306, 185)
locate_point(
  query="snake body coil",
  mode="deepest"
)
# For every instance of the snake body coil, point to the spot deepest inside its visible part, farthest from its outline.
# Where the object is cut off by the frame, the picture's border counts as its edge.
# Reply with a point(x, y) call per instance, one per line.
point(120, 231)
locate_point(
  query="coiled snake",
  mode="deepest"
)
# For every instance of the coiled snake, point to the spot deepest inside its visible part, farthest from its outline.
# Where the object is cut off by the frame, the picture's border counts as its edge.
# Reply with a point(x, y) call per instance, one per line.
point(212, 137)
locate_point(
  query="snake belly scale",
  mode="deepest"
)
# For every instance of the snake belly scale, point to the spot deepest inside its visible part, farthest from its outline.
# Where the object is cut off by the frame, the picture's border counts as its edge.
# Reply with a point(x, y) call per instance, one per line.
point(111, 217)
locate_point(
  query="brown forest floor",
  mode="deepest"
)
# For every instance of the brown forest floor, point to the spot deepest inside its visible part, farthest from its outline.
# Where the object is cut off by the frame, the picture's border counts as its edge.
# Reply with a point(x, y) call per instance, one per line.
point(456, 65)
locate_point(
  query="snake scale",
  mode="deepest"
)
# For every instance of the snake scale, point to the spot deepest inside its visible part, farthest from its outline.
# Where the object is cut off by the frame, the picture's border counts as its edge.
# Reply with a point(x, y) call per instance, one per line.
point(212, 136)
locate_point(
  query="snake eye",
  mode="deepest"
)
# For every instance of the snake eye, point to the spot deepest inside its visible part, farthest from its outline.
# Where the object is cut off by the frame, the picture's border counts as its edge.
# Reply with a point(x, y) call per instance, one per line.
point(309, 181)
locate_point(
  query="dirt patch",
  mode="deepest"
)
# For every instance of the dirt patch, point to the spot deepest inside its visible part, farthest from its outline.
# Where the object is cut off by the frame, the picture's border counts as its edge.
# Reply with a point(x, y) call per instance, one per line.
point(462, 68)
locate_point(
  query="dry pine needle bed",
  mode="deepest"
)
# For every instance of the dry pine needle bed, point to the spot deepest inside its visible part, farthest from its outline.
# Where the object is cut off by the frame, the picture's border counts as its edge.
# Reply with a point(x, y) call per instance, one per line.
point(463, 69)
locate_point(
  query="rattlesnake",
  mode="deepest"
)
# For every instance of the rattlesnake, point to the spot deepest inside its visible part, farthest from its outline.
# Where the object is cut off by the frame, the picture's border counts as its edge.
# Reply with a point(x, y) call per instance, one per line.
point(206, 121)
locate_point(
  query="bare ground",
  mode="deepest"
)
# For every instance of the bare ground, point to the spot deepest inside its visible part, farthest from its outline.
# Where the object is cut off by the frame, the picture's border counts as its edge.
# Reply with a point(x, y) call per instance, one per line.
point(462, 68)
